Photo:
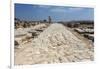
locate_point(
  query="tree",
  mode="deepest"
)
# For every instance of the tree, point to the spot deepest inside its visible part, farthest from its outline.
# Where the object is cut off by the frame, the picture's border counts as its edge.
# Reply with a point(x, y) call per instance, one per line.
point(44, 20)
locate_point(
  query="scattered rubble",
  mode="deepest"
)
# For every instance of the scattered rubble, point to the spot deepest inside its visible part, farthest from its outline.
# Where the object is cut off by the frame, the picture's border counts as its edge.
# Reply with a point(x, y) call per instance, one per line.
point(23, 35)
point(85, 28)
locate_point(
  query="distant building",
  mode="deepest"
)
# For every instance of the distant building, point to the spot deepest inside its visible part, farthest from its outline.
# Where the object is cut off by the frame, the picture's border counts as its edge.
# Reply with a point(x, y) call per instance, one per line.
point(49, 19)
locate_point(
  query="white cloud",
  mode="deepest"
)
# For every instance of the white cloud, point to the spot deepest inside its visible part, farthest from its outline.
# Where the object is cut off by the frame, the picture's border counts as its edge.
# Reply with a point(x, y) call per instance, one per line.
point(58, 9)
point(64, 9)
point(75, 9)
point(44, 6)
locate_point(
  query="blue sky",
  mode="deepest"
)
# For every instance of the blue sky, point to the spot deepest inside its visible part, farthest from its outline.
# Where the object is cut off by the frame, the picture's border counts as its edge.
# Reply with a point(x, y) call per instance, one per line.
point(57, 13)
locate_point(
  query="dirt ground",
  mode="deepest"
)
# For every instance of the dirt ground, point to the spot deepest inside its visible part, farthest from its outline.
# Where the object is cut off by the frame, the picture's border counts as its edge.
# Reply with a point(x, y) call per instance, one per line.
point(56, 44)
